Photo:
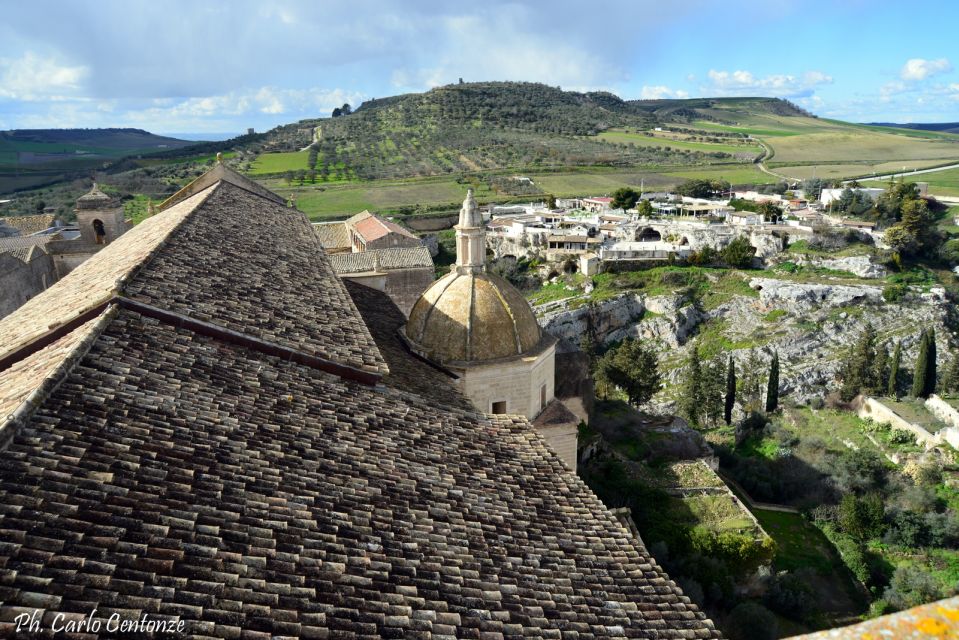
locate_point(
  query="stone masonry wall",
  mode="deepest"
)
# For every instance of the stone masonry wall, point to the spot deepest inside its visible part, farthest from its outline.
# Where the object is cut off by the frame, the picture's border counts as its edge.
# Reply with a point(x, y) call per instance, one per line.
point(19, 282)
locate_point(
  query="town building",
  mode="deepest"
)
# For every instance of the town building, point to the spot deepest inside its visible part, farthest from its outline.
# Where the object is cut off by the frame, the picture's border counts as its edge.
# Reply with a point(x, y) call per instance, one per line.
point(379, 253)
point(202, 423)
point(44, 252)
point(403, 273)
point(477, 325)
point(828, 196)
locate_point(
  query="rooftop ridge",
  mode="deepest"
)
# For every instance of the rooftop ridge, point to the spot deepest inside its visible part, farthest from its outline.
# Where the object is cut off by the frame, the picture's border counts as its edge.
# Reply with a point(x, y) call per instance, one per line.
point(219, 172)
point(97, 322)
point(65, 304)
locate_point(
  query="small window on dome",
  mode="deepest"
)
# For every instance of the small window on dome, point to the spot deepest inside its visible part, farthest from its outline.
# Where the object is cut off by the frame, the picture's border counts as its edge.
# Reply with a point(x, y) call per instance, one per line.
point(499, 407)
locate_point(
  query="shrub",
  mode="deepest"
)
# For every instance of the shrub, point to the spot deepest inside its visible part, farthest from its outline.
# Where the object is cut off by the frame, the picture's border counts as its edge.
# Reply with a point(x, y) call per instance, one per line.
point(910, 587)
point(751, 621)
point(791, 595)
point(894, 292)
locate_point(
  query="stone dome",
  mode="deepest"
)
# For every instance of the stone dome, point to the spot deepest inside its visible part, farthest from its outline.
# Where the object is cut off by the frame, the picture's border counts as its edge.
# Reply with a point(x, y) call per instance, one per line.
point(472, 316)
point(95, 199)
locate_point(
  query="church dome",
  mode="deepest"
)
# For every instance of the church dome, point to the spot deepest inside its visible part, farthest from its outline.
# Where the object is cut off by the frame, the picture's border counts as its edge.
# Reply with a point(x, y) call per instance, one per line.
point(472, 316)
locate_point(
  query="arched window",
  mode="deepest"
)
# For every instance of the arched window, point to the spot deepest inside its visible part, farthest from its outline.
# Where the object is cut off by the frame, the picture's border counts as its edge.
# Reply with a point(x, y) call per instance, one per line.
point(99, 231)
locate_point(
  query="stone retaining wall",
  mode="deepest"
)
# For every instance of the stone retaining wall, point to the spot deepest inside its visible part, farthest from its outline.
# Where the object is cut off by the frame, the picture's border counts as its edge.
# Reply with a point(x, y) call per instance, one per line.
point(876, 411)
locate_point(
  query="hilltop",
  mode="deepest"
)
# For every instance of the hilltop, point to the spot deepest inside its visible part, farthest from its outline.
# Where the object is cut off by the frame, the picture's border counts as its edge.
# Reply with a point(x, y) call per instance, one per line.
point(33, 157)
point(417, 152)
point(501, 126)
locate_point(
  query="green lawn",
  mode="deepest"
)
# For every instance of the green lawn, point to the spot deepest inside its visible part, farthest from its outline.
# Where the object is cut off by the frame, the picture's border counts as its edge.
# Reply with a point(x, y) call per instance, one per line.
point(736, 174)
point(267, 163)
point(798, 543)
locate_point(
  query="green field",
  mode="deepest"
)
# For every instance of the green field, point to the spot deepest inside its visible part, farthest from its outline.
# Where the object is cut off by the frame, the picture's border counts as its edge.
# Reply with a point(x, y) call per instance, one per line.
point(267, 163)
point(845, 170)
point(345, 199)
point(333, 200)
point(944, 183)
point(834, 149)
point(624, 137)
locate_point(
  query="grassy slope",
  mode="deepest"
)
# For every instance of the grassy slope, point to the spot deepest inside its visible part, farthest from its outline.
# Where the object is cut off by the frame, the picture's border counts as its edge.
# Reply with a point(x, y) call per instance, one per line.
point(498, 128)
point(944, 183)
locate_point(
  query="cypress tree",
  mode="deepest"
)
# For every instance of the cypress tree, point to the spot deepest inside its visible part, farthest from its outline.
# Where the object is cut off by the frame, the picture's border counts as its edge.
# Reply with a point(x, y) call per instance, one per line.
point(922, 367)
point(693, 399)
point(892, 384)
point(731, 389)
point(881, 369)
point(931, 373)
point(858, 371)
point(772, 388)
point(950, 379)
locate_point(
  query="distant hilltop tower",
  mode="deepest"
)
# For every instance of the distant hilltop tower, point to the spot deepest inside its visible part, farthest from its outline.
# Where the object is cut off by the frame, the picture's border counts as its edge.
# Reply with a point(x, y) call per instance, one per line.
point(481, 328)
point(100, 217)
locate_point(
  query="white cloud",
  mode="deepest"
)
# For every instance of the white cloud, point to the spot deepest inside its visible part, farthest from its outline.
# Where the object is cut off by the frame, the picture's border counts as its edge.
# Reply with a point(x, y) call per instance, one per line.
point(741, 83)
point(513, 54)
point(660, 92)
point(31, 77)
point(917, 69)
point(207, 113)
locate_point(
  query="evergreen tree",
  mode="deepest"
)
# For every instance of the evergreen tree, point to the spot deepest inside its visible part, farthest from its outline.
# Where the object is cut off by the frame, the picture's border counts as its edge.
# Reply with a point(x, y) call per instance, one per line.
point(880, 375)
point(858, 370)
point(633, 367)
point(713, 387)
point(892, 384)
point(950, 380)
point(931, 373)
point(731, 390)
point(772, 387)
point(922, 367)
point(693, 396)
point(749, 384)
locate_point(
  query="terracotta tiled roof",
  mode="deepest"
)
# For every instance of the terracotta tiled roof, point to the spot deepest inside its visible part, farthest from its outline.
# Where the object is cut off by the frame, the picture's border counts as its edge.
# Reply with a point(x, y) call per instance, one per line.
point(372, 227)
point(256, 267)
point(173, 475)
point(93, 282)
point(29, 224)
point(555, 413)
point(408, 372)
point(189, 468)
point(220, 173)
point(398, 258)
point(333, 235)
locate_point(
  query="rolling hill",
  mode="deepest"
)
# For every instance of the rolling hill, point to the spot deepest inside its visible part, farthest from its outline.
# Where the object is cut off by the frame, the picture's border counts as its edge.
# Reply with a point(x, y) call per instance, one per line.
point(408, 152)
point(32, 157)
point(492, 126)
point(943, 127)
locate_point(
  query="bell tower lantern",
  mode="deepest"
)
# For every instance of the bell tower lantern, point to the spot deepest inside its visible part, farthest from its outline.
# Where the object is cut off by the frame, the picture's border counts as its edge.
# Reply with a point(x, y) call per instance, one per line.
point(100, 217)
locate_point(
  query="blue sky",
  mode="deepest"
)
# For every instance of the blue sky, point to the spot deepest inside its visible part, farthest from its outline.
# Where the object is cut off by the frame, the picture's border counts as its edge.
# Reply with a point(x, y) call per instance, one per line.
point(206, 66)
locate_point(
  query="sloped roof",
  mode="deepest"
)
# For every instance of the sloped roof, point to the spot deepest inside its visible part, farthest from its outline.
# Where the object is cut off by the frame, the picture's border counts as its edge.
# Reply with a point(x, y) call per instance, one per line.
point(28, 225)
point(220, 173)
point(170, 474)
point(253, 266)
point(332, 235)
point(382, 259)
point(171, 454)
point(19, 244)
point(372, 227)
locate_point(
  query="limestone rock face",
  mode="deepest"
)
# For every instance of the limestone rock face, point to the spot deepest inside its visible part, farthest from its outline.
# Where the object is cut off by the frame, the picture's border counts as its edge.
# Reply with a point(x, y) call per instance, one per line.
point(664, 318)
point(861, 266)
point(800, 296)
